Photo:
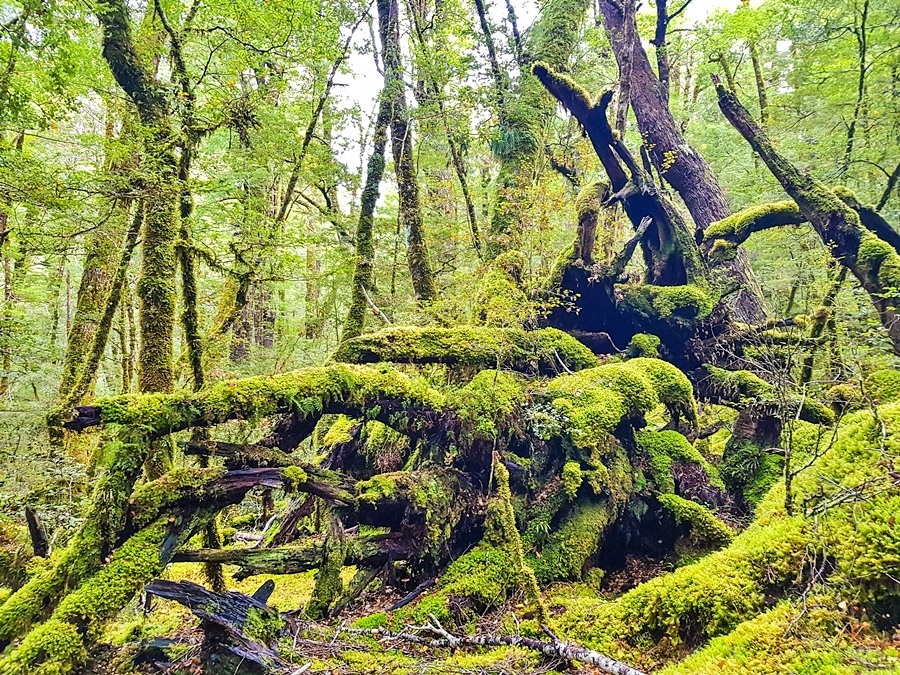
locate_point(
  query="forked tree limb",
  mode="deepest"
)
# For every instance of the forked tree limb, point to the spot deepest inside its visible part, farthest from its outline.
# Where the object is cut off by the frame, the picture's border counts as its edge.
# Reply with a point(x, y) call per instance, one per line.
point(872, 260)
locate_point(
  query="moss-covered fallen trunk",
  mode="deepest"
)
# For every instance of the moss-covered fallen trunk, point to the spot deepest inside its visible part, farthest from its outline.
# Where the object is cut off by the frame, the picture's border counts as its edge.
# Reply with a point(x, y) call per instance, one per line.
point(547, 351)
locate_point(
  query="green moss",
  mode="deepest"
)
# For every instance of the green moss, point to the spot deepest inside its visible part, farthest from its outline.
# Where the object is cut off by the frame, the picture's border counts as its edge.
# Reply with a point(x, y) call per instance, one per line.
point(572, 478)
point(672, 387)
point(705, 526)
point(305, 391)
point(432, 492)
point(883, 385)
point(737, 227)
point(150, 499)
point(643, 344)
point(675, 306)
point(748, 468)
point(568, 549)
point(666, 447)
point(499, 299)
point(566, 258)
point(339, 432)
point(471, 346)
point(295, 476)
point(487, 401)
point(263, 625)
point(54, 648)
point(739, 383)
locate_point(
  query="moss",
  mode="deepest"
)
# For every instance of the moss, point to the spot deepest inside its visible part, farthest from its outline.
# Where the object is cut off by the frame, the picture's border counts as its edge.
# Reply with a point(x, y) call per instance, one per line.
point(748, 468)
point(150, 499)
point(83, 555)
point(594, 401)
point(295, 476)
point(263, 625)
point(883, 385)
point(568, 549)
point(54, 648)
point(572, 478)
point(15, 553)
point(507, 535)
point(432, 492)
point(472, 346)
point(643, 344)
point(329, 584)
point(744, 386)
point(675, 306)
point(339, 432)
point(667, 447)
point(566, 258)
point(705, 526)
point(305, 391)
point(713, 596)
point(672, 387)
point(737, 227)
point(499, 299)
point(486, 403)
point(738, 383)
point(100, 597)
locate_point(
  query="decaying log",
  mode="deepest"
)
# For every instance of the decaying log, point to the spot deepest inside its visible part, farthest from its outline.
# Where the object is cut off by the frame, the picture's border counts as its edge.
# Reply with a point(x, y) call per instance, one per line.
point(235, 626)
point(370, 551)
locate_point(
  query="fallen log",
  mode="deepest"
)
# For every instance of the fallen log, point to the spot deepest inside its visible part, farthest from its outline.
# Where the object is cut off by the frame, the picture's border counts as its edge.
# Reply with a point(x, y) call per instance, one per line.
point(368, 551)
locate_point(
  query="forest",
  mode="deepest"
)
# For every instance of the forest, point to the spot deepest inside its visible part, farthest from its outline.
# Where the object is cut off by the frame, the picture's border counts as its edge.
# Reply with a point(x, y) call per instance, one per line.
point(449, 337)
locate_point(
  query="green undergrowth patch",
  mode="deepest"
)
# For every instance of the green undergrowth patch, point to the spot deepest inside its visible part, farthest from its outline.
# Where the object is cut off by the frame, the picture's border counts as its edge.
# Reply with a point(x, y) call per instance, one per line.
point(787, 639)
point(682, 610)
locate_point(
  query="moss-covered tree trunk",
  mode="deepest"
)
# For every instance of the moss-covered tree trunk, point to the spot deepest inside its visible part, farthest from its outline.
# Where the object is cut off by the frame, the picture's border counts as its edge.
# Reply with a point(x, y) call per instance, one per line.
point(363, 273)
point(871, 259)
point(681, 166)
point(520, 142)
point(161, 194)
point(402, 148)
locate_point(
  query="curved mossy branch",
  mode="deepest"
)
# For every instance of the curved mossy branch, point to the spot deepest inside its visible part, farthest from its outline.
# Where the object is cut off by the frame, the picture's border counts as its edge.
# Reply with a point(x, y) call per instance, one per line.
point(306, 554)
point(872, 260)
point(738, 227)
point(737, 388)
point(474, 347)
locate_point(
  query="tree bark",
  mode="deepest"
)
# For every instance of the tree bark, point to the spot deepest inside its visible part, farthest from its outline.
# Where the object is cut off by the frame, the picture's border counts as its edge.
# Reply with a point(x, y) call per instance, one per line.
point(402, 148)
point(681, 166)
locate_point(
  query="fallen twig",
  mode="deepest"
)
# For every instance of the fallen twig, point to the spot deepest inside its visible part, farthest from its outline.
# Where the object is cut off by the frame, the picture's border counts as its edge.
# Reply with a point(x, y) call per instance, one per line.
point(556, 647)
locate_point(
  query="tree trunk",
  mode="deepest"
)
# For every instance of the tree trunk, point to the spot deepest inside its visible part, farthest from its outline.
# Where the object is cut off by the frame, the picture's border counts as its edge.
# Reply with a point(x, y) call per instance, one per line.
point(402, 148)
point(363, 274)
point(681, 166)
